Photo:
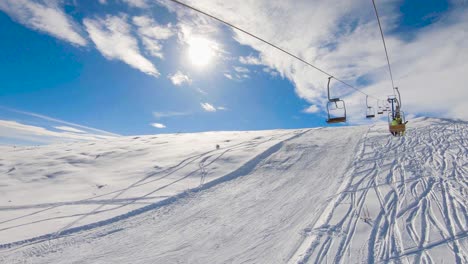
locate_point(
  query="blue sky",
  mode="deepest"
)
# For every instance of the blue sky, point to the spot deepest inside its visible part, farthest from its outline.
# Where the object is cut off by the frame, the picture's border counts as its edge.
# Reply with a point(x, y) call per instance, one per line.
point(108, 64)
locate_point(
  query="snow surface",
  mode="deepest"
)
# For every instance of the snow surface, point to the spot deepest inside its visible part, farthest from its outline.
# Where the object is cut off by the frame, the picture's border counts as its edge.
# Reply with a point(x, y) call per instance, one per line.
point(338, 195)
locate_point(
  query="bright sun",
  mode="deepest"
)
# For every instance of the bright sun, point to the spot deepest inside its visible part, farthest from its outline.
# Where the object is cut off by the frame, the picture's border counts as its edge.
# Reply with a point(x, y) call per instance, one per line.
point(200, 51)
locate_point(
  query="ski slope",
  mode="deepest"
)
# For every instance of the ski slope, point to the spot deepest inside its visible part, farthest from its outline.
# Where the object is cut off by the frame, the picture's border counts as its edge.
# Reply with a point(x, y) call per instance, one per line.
point(325, 195)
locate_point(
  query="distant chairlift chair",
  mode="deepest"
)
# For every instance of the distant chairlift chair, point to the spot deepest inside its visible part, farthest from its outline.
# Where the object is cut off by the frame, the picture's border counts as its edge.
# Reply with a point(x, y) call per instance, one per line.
point(334, 104)
point(379, 109)
point(370, 110)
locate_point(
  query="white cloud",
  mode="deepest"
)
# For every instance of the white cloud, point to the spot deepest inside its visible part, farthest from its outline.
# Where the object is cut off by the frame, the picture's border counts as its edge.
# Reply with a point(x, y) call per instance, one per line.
point(137, 3)
point(195, 32)
point(160, 115)
point(112, 37)
point(221, 108)
point(267, 19)
point(201, 91)
point(241, 72)
point(153, 47)
point(208, 107)
point(241, 69)
point(148, 27)
point(250, 60)
point(158, 125)
point(430, 71)
point(47, 17)
point(236, 76)
point(69, 129)
point(344, 40)
point(270, 71)
point(179, 78)
point(311, 109)
point(151, 34)
point(103, 2)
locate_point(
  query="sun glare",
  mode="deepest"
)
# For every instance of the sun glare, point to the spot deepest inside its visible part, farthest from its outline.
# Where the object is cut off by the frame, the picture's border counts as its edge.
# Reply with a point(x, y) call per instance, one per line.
point(200, 51)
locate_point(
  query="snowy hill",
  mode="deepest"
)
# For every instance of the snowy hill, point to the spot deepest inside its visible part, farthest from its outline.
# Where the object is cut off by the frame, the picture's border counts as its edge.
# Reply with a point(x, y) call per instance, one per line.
point(338, 195)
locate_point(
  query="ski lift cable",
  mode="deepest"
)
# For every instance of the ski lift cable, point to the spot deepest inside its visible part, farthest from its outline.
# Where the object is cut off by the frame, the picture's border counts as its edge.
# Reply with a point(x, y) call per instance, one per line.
point(270, 44)
point(385, 46)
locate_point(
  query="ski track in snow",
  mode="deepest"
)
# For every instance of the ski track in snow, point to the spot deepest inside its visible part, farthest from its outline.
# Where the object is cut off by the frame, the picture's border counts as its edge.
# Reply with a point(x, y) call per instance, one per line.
point(406, 201)
point(249, 209)
point(346, 195)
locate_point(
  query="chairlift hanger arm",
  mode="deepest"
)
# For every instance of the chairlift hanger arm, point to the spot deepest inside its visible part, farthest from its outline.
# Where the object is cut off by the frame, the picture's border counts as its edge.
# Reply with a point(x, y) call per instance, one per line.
point(399, 96)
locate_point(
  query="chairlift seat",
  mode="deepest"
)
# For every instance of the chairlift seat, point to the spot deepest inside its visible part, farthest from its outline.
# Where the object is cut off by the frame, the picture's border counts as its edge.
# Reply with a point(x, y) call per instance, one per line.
point(334, 100)
point(335, 120)
point(370, 116)
point(397, 130)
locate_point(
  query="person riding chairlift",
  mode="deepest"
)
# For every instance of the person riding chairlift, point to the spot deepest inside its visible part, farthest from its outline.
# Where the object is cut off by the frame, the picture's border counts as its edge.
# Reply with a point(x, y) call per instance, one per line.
point(396, 121)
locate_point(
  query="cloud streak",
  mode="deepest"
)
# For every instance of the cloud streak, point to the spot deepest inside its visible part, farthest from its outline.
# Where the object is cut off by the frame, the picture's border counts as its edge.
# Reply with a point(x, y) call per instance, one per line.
point(151, 34)
point(208, 107)
point(158, 125)
point(312, 109)
point(160, 115)
point(69, 129)
point(65, 123)
point(112, 37)
point(12, 132)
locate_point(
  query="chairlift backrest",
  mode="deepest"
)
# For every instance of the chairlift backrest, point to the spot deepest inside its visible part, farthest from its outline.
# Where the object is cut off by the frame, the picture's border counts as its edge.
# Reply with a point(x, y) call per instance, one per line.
point(328, 89)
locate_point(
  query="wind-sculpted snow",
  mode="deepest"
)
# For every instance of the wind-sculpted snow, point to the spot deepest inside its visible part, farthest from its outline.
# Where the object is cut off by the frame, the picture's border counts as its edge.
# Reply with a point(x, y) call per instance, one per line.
point(53, 190)
point(330, 195)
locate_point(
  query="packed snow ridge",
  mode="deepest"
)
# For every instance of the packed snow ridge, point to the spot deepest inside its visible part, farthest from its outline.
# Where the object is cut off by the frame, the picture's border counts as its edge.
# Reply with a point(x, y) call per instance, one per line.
point(323, 195)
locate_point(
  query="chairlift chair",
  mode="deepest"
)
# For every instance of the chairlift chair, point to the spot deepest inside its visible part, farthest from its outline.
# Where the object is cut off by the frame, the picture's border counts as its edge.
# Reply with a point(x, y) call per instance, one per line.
point(399, 128)
point(370, 110)
point(380, 109)
point(335, 104)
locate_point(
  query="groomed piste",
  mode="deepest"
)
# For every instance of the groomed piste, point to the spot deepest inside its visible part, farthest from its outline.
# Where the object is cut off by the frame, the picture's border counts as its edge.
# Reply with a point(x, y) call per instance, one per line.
point(322, 195)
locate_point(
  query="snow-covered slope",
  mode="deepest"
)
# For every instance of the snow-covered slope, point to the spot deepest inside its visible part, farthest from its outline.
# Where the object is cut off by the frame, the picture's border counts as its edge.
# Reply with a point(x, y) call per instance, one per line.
point(50, 189)
point(340, 195)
